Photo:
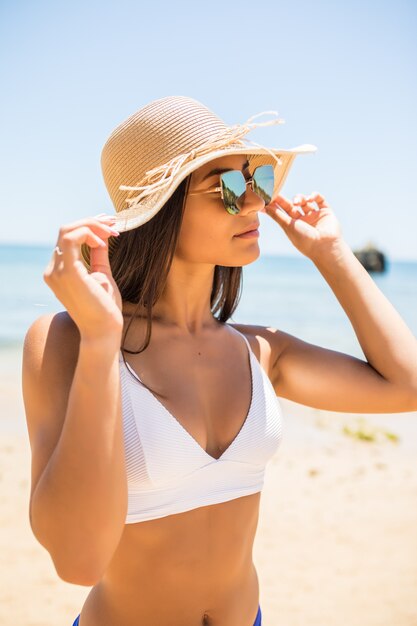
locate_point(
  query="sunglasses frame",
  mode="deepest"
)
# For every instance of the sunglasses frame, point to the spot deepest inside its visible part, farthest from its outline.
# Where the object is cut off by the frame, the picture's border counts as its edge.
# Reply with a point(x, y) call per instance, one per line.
point(247, 182)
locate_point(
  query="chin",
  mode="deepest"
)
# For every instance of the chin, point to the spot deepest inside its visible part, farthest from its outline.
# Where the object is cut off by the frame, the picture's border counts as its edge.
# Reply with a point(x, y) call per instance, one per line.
point(242, 259)
point(251, 257)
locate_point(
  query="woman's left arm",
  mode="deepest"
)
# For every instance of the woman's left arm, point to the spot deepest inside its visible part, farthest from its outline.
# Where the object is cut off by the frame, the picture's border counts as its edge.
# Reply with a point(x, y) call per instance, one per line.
point(387, 382)
point(386, 341)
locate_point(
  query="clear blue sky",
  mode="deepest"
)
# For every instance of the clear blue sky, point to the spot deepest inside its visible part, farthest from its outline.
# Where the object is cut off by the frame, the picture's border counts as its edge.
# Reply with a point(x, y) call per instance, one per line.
point(343, 76)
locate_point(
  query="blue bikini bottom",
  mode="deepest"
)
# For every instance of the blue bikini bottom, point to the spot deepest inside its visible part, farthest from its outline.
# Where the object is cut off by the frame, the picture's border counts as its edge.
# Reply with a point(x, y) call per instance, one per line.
point(258, 618)
point(257, 622)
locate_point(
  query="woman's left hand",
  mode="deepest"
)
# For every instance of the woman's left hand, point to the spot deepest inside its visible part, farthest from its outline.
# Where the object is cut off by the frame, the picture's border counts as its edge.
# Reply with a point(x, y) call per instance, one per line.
point(311, 233)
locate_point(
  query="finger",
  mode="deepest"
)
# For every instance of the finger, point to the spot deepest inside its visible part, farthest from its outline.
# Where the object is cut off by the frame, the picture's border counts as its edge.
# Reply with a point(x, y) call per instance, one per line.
point(300, 201)
point(320, 200)
point(308, 208)
point(104, 215)
point(281, 201)
point(54, 262)
point(103, 222)
point(304, 203)
point(299, 205)
point(96, 226)
point(66, 258)
point(70, 242)
point(279, 215)
point(286, 205)
point(100, 230)
point(99, 259)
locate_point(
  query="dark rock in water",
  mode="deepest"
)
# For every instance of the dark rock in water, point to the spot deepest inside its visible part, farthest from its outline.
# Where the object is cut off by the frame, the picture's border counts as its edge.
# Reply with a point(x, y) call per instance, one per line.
point(371, 258)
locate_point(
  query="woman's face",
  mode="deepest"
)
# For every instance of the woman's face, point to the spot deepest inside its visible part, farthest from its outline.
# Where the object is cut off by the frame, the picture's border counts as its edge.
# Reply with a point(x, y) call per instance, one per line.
point(208, 231)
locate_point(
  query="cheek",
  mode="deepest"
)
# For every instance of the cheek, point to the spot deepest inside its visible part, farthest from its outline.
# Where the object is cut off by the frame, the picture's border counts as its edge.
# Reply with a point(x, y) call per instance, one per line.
point(196, 235)
point(202, 231)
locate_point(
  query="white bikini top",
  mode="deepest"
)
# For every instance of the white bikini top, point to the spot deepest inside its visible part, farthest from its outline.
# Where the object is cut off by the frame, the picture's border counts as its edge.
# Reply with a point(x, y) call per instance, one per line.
point(169, 472)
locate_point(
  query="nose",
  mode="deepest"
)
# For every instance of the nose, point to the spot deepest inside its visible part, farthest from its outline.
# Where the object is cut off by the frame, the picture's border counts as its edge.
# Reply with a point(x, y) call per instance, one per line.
point(250, 201)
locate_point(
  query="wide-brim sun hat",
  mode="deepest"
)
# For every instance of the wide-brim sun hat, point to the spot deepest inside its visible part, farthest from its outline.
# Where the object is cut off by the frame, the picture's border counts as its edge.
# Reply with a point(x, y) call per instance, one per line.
point(156, 148)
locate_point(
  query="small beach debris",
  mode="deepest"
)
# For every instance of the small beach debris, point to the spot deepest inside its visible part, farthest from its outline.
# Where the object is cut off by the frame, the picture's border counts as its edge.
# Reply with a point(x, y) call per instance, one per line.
point(367, 432)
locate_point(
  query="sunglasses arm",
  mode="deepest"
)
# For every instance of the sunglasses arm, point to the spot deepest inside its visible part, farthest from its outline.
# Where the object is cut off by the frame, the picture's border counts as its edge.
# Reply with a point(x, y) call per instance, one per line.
point(215, 190)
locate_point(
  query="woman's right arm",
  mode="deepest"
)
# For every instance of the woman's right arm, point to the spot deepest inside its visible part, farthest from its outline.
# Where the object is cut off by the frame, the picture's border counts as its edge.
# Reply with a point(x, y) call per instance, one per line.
point(71, 391)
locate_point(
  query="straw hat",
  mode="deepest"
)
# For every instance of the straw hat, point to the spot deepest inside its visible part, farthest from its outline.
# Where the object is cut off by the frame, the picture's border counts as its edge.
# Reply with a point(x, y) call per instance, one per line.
point(153, 150)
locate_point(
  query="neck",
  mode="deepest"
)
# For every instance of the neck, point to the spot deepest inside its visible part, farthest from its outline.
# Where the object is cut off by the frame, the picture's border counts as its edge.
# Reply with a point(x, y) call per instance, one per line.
point(184, 305)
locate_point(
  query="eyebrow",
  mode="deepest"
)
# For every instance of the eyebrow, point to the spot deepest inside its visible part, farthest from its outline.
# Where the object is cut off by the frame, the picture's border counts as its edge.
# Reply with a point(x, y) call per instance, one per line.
point(220, 170)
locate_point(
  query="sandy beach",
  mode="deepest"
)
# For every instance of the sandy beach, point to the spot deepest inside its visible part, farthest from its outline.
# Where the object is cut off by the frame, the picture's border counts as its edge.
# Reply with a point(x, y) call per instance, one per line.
point(337, 536)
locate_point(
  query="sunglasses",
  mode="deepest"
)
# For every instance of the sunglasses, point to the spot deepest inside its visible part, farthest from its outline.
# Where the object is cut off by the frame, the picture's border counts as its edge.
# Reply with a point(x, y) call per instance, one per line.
point(233, 187)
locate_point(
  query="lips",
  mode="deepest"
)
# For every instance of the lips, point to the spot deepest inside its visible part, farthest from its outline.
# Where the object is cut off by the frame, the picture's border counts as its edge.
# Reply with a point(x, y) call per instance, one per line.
point(254, 226)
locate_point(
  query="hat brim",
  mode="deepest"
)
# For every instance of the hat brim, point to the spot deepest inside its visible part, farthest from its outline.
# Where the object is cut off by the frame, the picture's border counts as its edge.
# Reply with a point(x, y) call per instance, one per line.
point(131, 218)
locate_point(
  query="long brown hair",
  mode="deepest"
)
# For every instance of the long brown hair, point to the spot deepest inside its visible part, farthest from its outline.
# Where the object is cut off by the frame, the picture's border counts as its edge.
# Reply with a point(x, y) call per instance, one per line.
point(140, 260)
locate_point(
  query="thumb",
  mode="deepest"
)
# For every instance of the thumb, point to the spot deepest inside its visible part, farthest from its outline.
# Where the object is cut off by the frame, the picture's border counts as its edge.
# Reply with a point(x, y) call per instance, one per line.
point(99, 258)
point(278, 214)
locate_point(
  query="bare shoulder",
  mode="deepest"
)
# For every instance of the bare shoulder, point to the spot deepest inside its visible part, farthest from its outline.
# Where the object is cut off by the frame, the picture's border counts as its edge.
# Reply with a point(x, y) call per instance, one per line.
point(52, 339)
point(266, 342)
point(50, 354)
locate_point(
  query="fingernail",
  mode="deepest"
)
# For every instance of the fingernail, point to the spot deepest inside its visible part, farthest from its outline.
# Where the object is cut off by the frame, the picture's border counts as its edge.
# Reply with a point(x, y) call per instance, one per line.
point(104, 216)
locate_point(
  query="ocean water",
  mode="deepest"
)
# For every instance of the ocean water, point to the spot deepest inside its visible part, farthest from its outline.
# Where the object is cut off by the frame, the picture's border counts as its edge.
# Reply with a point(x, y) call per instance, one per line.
point(288, 293)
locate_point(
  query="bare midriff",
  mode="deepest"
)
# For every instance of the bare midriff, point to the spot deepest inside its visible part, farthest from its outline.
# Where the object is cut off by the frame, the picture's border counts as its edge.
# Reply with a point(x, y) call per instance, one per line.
point(192, 568)
point(189, 569)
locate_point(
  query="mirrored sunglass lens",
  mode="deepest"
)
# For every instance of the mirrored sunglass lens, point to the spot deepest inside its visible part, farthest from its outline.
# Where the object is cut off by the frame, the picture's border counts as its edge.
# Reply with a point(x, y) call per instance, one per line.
point(263, 182)
point(233, 184)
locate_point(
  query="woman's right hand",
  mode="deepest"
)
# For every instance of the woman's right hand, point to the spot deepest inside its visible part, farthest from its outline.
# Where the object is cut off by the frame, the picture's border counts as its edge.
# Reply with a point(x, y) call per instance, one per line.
point(92, 299)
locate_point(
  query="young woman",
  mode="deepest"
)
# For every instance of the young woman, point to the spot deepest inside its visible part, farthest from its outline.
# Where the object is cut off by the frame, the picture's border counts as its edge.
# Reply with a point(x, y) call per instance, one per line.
point(147, 470)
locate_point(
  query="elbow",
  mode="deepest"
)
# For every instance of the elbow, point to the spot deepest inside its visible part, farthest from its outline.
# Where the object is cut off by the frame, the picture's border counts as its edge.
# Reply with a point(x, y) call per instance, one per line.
point(409, 400)
point(70, 572)
point(87, 581)
point(83, 568)
point(85, 577)
point(78, 560)
point(413, 402)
